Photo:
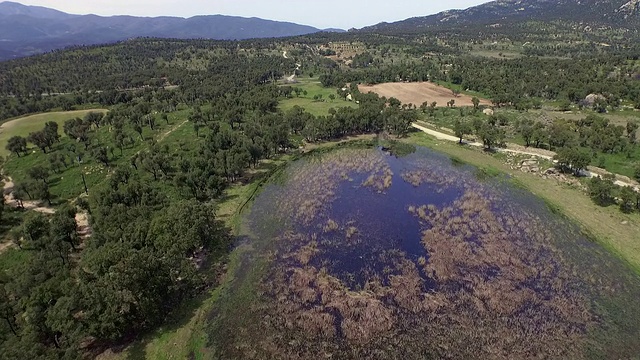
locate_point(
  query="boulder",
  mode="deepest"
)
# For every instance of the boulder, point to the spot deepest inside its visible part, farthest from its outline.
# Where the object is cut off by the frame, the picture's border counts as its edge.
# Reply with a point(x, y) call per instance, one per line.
point(592, 98)
point(488, 112)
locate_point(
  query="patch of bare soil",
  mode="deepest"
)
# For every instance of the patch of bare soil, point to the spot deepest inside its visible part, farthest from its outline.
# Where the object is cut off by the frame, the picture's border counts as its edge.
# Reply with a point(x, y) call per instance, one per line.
point(5, 246)
point(82, 219)
point(419, 92)
point(10, 200)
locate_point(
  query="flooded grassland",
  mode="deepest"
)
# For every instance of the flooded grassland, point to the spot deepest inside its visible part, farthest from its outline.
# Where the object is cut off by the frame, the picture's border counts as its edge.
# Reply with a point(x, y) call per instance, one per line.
point(361, 254)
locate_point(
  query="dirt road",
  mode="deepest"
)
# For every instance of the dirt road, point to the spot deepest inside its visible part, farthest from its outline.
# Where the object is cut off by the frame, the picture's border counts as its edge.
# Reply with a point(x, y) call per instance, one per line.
point(511, 148)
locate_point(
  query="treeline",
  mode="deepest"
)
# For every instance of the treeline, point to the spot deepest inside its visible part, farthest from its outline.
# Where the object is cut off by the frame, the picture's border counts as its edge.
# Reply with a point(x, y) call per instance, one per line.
point(70, 296)
point(114, 74)
point(195, 71)
point(513, 81)
point(579, 142)
point(519, 82)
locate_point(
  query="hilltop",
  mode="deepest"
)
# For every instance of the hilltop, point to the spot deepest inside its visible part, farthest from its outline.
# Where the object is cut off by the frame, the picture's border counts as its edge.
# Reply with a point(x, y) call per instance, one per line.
point(616, 13)
point(28, 30)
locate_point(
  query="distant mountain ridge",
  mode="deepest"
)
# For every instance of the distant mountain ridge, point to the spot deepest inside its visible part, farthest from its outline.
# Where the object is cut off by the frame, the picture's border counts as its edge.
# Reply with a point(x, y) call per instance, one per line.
point(618, 13)
point(27, 30)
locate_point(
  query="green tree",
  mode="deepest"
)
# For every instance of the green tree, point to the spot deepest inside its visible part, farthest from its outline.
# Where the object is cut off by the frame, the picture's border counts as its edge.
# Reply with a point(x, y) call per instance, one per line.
point(185, 227)
point(476, 102)
point(63, 226)
point(39, 172)
point(78, 129)
point(628, 199)
point(57, 161)
point(491, 135)
point(41, 191)
point(51, 132)
point(632, 130)
point(601, 189)
point(462, 128)
point(17, 144)
point(101, 154)
point(94, 118)
point(573, 158)
point(35, 229)
point(39, 139)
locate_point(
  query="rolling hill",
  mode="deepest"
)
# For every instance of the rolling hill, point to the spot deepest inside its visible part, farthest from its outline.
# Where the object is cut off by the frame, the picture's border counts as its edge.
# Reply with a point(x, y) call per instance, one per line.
point(28, 30)
point(613, 13)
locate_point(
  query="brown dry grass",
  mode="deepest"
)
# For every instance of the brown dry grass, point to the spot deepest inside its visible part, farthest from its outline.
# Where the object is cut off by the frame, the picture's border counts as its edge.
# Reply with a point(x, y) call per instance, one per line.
point(419, 92)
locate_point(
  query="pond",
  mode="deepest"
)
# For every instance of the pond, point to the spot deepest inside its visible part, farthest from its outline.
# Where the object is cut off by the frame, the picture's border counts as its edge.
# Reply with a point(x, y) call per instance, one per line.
point(367, 255)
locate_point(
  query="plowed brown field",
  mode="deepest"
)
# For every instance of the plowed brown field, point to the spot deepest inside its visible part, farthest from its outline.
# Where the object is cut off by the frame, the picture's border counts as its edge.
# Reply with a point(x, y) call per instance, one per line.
point(419, 92)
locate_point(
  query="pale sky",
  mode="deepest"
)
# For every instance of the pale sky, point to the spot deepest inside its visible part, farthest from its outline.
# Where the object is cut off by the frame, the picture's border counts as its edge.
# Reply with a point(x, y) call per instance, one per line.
point(343, 14)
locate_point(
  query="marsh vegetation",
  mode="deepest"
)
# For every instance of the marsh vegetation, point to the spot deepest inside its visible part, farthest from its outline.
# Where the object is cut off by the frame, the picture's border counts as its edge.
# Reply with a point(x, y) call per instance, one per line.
point(366, 255)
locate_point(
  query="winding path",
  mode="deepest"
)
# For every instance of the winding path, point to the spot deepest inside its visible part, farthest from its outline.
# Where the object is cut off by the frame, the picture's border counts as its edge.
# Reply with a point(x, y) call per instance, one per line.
point(442, 136)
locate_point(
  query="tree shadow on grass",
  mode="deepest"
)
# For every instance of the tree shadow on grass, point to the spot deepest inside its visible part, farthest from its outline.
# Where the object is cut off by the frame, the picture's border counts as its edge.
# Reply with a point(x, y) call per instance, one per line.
point(135, 347)
point(227, 197)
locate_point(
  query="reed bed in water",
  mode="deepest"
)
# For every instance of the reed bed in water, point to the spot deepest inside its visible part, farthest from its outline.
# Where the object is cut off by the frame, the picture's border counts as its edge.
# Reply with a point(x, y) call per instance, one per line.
point(489, 285)
point(499, 293)
point(311, 186)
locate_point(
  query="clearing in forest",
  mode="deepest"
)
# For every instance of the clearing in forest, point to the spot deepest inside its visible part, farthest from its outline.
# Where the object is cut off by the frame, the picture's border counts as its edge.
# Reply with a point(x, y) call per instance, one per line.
point(25, 125)
point(419, 92)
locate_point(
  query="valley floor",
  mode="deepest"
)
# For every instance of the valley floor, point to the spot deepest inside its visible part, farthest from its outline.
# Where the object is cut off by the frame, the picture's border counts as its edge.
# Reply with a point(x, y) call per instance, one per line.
point(187, 337)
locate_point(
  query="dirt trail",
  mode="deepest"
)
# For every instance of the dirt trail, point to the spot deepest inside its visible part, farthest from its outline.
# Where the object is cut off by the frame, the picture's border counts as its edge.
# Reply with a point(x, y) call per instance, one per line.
point(517, 149)
point(291, 78)
point(27, 204)
point(170, 131)
point(82, 218)
point(6, 246)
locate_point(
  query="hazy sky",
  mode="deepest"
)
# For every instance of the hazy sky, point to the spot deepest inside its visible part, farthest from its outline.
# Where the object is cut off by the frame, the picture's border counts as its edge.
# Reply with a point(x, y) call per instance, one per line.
point(320, 13)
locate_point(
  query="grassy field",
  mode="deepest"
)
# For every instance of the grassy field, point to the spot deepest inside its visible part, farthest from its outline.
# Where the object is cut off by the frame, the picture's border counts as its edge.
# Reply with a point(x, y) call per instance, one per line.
point(67, 184)
point(313, 87)
point(24, 126)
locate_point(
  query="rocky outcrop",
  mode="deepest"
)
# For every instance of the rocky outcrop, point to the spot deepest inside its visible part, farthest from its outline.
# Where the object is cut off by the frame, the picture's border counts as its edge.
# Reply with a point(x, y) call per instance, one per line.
point(632, 8)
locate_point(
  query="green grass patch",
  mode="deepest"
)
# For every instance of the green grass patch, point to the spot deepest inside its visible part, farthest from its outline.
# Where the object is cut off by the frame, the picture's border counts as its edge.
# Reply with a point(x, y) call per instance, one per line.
point(67, 183)
point(314, 88)
point(11, 258)
point(28, 124)
point(618, 163)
